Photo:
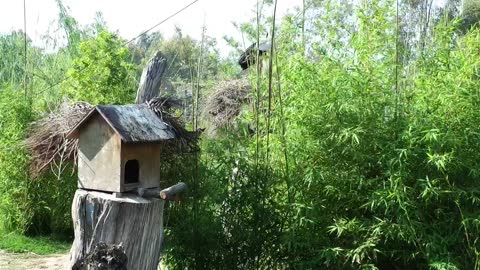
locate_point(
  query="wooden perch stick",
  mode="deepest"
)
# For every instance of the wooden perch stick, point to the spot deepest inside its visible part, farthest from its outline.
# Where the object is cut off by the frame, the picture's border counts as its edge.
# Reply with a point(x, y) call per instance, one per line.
point(168, 194)
point(171, 193)
point(148, 192)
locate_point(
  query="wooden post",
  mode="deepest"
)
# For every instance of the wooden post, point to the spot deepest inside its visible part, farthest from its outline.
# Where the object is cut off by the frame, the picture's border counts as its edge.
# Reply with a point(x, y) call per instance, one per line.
point(133, 222)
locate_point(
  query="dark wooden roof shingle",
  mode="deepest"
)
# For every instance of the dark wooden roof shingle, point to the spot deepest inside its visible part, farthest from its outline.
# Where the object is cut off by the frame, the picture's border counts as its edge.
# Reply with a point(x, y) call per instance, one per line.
point(133, 123)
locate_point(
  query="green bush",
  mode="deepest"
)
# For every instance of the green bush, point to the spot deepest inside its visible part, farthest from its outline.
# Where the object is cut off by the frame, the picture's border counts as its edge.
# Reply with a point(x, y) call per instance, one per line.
point(15, 210)
point(385, 159)
point(102, 74)
point(228, 218)
point(371, 162)
point(33, 206)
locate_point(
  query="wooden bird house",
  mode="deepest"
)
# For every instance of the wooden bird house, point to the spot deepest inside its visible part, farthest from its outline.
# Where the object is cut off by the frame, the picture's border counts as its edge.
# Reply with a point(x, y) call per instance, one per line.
point(119, 148)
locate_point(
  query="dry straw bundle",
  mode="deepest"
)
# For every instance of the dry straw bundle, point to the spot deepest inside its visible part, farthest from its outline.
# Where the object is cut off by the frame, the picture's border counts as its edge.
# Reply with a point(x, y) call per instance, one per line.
point(227, 101)
point(186, 141)
point(47, 140)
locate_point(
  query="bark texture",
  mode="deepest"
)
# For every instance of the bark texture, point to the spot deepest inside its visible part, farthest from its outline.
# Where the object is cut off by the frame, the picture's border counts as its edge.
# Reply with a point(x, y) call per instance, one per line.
point(133, 222)
point(149, 86)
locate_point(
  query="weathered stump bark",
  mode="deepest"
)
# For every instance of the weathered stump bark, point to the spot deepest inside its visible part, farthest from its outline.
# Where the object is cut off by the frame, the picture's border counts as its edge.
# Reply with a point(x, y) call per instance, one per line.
point(134, 222)
point(151, 79)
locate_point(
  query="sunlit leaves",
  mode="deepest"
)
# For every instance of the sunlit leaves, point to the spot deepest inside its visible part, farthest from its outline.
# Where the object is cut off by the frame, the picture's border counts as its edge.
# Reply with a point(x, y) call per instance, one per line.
point(103, 73)
point(396, 161)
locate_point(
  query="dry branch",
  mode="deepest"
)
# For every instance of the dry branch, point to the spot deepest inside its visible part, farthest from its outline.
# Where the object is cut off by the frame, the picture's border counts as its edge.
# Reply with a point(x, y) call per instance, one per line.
point(186, 141)
point(47, 140)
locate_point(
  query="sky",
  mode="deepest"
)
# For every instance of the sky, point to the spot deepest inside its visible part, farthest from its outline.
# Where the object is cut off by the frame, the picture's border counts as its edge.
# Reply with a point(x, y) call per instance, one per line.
point(130, 18)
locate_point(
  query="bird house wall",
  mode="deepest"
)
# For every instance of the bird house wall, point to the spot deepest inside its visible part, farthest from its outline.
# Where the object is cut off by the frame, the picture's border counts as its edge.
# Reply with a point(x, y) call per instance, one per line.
point(148, 157)
point(99, 157)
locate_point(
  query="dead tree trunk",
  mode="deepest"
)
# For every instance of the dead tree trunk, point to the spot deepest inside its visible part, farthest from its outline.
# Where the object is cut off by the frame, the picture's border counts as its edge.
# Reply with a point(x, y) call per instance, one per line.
point(134, 222)
point(151, 79)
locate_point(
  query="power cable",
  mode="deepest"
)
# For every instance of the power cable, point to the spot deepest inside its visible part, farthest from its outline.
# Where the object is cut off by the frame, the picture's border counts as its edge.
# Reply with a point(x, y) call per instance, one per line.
point(164, 20)
point(126, 43)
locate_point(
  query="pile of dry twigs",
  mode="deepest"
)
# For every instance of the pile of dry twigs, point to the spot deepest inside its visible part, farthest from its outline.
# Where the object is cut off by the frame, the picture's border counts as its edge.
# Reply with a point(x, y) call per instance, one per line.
point(226, 102)
point(47, 140)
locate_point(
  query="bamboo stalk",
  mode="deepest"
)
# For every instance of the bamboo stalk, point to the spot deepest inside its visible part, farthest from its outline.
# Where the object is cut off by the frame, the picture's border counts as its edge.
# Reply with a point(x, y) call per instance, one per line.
point(270, 74)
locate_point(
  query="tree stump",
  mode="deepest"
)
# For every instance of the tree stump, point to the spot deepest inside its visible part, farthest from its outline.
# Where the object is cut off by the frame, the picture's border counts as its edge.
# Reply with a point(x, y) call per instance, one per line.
point(149, 86)
point(134, 222)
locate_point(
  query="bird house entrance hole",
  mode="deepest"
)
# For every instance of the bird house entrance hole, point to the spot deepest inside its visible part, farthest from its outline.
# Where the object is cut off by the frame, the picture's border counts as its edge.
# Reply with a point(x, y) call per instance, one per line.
point(132, 171)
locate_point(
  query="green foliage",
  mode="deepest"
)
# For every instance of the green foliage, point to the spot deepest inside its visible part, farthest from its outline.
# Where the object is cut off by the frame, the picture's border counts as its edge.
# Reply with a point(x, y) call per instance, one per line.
point(183, 53)
point(363, 155)
point(229, 201)
point(145, 48)
point(14, 119)
point(43, 205)
point(11, 65)
point(27, 206)
point(470, 13)
point(391, 171)
point(364, 162)
point(18, 243)
point(102, 74)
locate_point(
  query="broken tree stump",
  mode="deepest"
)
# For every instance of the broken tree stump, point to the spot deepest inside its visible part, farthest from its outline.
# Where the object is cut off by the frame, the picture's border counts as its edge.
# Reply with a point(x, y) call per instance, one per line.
point(149, 86)
point(134, 222)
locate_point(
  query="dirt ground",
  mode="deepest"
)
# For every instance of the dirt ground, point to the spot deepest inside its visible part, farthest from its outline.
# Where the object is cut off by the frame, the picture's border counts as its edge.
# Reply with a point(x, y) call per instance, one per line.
point(30, 261)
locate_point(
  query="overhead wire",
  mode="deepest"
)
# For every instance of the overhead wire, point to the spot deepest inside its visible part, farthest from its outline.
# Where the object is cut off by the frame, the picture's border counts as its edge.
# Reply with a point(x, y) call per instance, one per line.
point(161, 22)
point(125, 43)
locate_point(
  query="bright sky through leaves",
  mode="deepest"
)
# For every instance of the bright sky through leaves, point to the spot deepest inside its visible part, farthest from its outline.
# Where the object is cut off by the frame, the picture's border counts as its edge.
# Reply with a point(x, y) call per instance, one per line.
point(132, 17)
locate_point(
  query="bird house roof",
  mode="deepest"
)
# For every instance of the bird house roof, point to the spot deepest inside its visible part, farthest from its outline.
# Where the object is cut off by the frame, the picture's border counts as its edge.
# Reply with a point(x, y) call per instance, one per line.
point(133, 123)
